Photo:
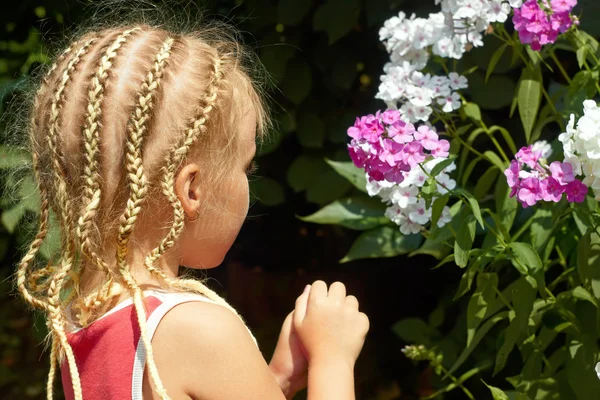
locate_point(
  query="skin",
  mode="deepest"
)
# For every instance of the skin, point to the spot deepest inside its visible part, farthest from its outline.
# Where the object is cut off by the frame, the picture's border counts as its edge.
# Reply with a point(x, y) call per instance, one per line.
point(203, 351)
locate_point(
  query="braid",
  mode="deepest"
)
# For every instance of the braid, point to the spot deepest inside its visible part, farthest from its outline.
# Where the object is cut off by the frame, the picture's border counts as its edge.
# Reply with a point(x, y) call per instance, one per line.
point(92, 191)
point(136, 128)
point(35, 245)
point(64, 204)
point(52, 372)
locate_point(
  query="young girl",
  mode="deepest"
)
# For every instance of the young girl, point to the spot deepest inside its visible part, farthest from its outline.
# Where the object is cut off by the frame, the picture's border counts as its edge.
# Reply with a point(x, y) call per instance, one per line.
point(142, 139)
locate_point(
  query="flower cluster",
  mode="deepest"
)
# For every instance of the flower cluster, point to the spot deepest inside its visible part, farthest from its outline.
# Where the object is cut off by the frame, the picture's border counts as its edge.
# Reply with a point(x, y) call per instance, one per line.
point(581, 145)
point(540, 22)
point(531, 180)
point(397, 158)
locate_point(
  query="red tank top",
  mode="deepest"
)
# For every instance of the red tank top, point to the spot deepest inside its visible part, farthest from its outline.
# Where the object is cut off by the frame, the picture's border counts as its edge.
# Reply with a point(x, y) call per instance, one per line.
point(109, 353)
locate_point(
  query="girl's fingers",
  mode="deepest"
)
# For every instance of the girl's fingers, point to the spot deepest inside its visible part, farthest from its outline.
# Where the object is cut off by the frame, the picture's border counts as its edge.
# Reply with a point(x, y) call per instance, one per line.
point(318, 291)
point(301, 304)
point(352, 301)
point(337, 292)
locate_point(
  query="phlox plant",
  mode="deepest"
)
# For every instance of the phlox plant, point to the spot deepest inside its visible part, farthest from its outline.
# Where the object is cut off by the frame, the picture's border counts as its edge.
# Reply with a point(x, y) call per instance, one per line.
point(506, 194)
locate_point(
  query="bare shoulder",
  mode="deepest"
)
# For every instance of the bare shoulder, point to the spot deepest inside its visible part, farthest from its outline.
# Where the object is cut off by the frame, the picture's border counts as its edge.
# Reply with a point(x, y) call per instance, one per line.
point(205, 351)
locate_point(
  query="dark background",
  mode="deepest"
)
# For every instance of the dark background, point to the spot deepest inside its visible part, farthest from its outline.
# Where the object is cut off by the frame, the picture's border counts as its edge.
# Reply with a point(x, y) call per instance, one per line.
point(325, 59)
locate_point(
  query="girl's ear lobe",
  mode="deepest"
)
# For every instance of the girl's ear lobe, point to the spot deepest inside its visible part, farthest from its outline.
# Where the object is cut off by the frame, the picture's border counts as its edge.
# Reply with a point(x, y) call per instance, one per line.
point(187, 187)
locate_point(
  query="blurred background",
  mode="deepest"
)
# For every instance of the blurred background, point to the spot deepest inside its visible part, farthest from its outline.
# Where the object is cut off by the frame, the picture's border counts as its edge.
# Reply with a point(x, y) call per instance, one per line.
point(325, 59)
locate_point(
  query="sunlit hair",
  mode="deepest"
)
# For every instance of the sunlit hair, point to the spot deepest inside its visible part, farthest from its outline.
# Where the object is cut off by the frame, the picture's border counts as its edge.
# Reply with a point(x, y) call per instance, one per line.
point(111, 121)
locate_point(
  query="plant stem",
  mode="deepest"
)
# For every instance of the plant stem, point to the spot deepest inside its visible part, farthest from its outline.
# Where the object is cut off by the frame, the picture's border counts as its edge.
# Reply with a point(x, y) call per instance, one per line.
point(560, 66)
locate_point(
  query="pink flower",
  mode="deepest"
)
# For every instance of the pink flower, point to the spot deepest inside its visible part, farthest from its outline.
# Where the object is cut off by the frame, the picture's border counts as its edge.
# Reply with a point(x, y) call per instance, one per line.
point(512, 174)
point(529, 193)
point(401, 132)
point(372, 128)
point(562, 172)
point(563, 5)
point(413, 153)
point(390, 117)
point(427, 137)
point(441, 149)
point(551, 189)
point(576, 191)
point(527, 156)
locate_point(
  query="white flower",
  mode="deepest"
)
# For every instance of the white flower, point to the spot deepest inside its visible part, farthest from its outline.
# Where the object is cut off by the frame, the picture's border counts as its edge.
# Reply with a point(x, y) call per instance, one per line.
point(445, 218)
point(444, 183)
point(375, 187)
point(499, 11)
point(450, 103)
point(403, 196)
point(544, 147)
point(458, 81)
point(419, 213)
point(515, 3)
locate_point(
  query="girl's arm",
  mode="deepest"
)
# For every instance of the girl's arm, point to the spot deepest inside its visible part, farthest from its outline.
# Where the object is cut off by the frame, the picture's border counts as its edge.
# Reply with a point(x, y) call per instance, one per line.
point(205, 352)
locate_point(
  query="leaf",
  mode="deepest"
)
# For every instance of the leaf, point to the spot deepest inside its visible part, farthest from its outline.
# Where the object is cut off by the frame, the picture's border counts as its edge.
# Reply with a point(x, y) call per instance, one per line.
point(529, 97)
point(437, 208)
point(506, 135)
point(474, 205)
point(496, 93)
point(311, 131)
point(480, 334)
point(478, 304)
point(348, 170)
point(506, 206)
point(497, 394)
point(11, 217)
point(268, 191)
point(581, 293)
point(494, 159)
point(541, 229)
point(494, 60)
point(466, 281)
point(384, 241)
point(292, 12)
point(337, 18)
point(297, 81)
point(415, 331)
point(464, 241)
point(439, 167)
point(11, 157)
point(524, 258)
point(360, 213)
point(327, 187)
point(472, 111)
point(304, 170)
point(485, 183)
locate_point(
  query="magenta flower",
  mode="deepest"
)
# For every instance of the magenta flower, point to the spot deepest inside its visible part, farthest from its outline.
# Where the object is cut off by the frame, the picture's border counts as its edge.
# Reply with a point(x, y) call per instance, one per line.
point(527, 156)
point(562, 172)
point(413, 154)
point(529, 193)
point(358, 157)
point(576, 191)
point(563, 5)
point(390, 117)
point(427, 137)
point(538, 26)
point(441, 149)
point(512, 173)
point(551, 189)
point(401, 132)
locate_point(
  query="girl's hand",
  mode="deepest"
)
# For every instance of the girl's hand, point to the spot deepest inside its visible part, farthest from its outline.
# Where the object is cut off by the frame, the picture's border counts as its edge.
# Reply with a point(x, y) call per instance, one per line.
point(331, 328)
point(289, 363)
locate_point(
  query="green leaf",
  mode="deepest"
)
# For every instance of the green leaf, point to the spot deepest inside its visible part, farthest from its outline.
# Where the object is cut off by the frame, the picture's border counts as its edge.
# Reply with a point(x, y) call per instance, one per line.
point(529, 97)
point(428, 190)
point(474, 205)
point(485, 183)
point(466, 280)
point(415, 331)
point(506, 135)
point(327, 187)
point(541, 229)
point(11, 157)
point(268, 191)
point(464, 242)
point(304, 170)
point(348, 170)
point(52, 242)
point(494, 60)
point(506, 206)
point(360, 213)
point(337, 18)
point(311, 131)
point(435, 171)
point(478, 305)
point(494, 94)
point(497, 394)
point(524, 258)
point(495, 159)
point(297, 82)
point(479, 335)
point(381, 242)
point(437, 208)
point(581, 293)
point(472, 111)
point(11, 217)
point(292, 12)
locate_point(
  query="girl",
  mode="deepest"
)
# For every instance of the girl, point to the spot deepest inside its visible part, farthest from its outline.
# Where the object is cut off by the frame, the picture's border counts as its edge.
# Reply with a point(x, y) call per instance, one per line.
point(142, 139)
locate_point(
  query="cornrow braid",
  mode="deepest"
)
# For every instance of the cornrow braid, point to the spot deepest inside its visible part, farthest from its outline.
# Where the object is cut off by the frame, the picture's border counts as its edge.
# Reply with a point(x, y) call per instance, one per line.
point(136, 129)
point(55, 288)
point(35, 245)
point(92, 191)
point(173, 160)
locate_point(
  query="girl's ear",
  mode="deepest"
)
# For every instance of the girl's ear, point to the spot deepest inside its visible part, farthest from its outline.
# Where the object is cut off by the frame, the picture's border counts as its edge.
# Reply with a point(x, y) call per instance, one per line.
point(187, 189)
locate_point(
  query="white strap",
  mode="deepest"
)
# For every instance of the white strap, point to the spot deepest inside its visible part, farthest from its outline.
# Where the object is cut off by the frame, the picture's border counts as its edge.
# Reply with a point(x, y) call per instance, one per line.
point(169, 301)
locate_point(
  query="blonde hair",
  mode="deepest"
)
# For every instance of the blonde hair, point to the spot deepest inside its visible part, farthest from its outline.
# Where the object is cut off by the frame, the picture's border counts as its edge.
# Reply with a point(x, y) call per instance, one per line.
point(168, 95)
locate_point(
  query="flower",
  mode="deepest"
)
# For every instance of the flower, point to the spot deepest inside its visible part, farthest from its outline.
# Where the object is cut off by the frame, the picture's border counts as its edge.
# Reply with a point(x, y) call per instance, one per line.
point(544, 147)
point(576, 191)
point(529, 193)
point(441, 149)
point(427, 137)
point(562, 172)
point(538, 26)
